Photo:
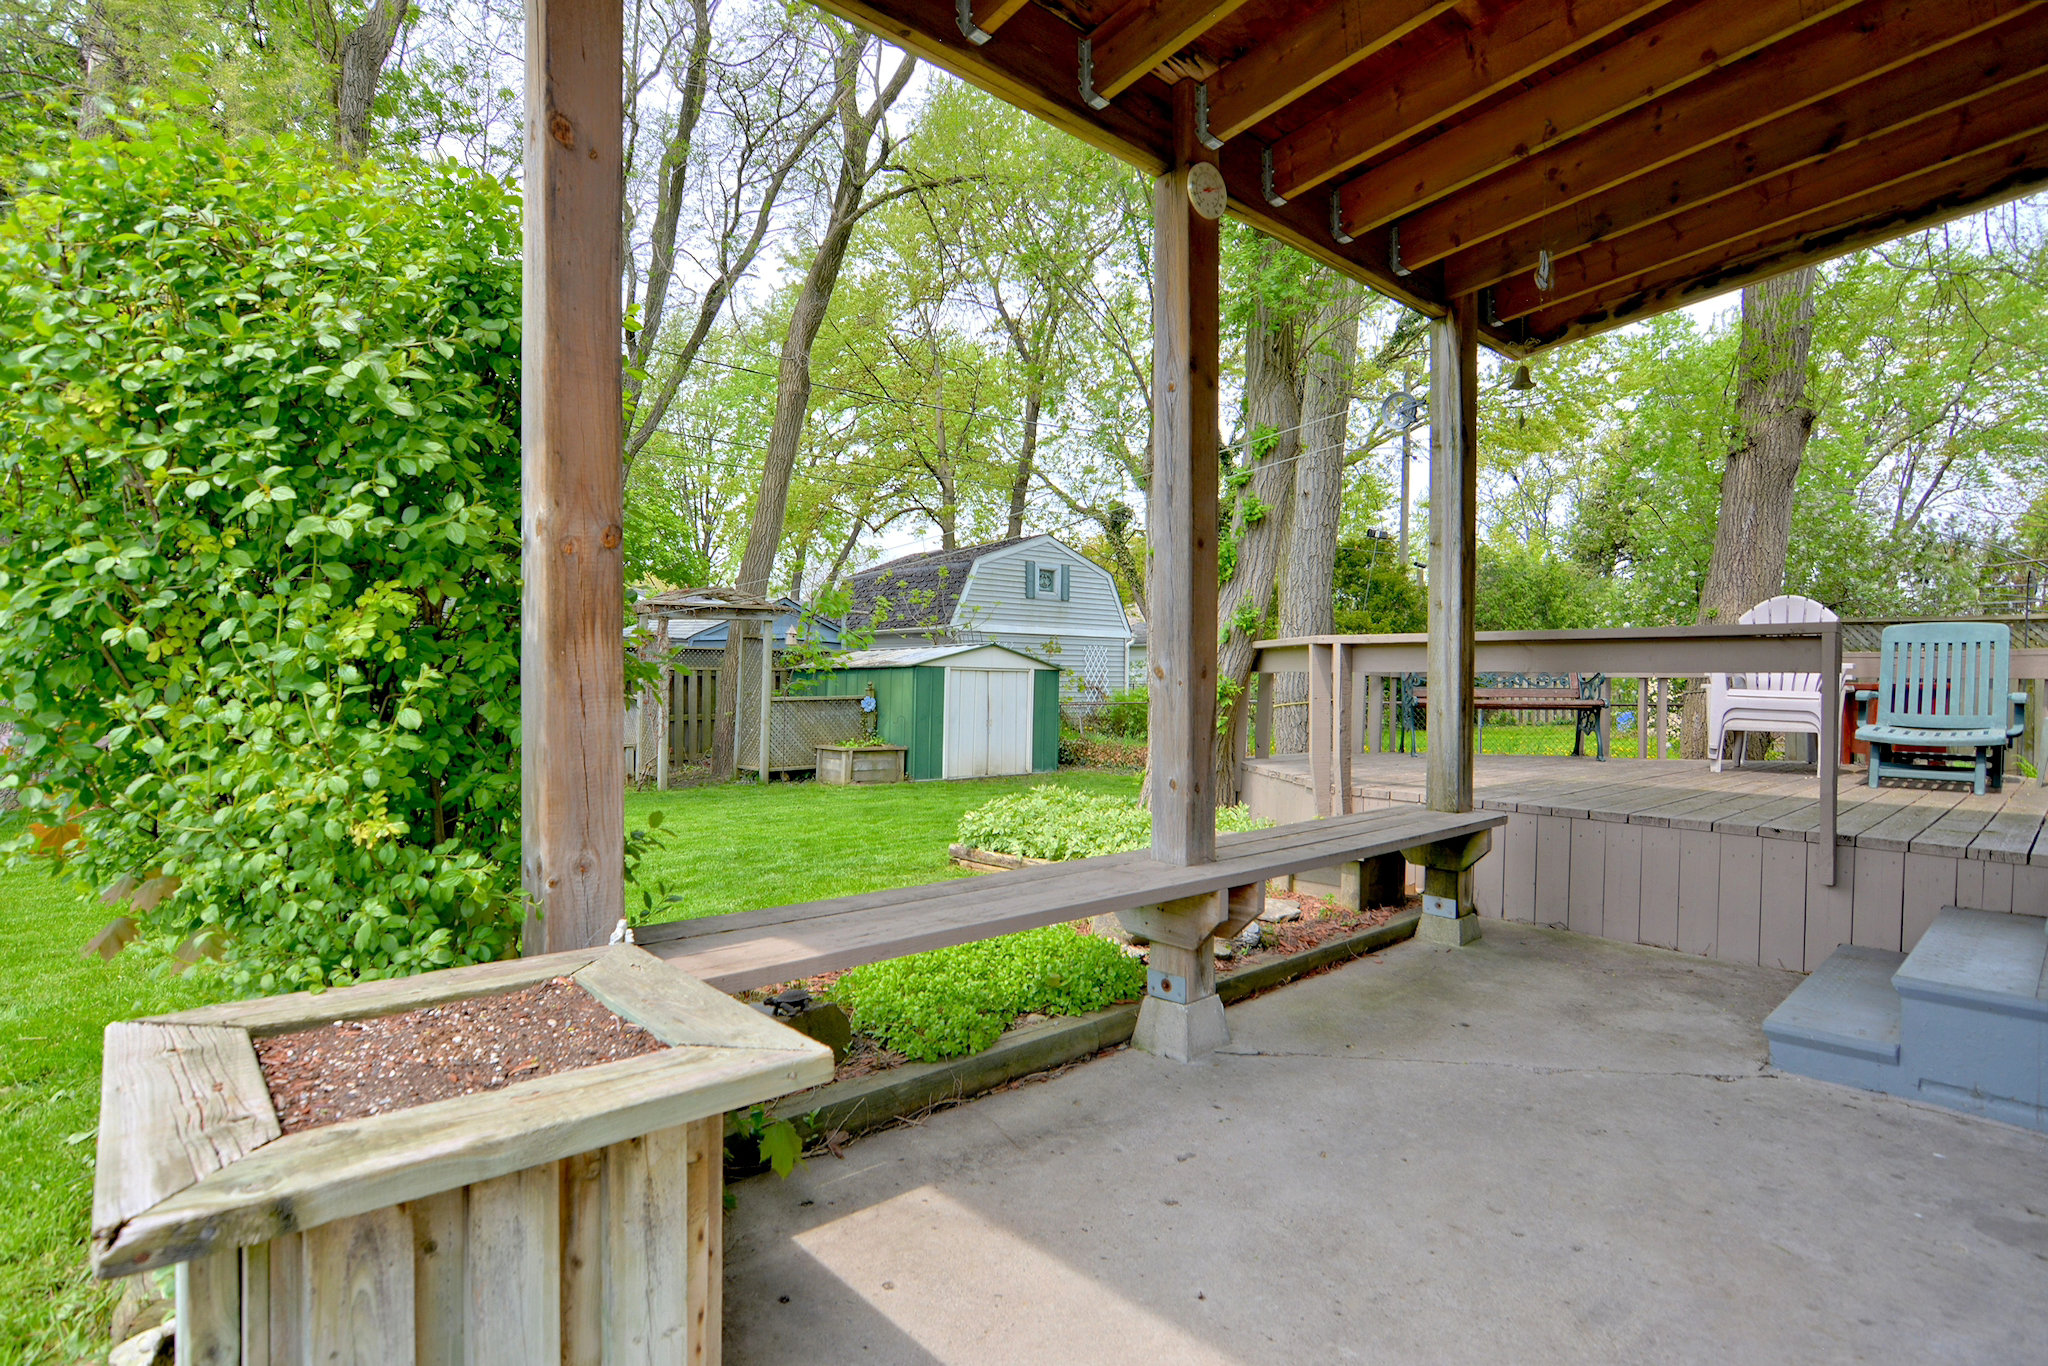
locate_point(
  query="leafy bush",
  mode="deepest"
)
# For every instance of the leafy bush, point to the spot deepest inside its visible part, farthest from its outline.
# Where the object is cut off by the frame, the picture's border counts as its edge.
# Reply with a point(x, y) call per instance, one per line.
point(1125, 714)
point(259, 546)
point(1081, 748)
point(1052, 822)
point(952, 1002)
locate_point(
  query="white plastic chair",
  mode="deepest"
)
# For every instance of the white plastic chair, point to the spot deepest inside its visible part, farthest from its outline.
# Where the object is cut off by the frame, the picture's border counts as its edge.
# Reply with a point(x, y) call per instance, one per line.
point(1787, 703)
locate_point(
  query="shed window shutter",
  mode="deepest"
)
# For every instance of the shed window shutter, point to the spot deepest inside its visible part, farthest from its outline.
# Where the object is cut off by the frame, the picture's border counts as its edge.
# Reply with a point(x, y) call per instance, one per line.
point(1066, 581)
point(1030, 579)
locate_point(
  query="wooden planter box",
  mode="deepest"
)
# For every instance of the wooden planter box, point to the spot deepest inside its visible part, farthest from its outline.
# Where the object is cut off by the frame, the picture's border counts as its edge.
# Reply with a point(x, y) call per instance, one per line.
point(848, 765)
point(574, 1217)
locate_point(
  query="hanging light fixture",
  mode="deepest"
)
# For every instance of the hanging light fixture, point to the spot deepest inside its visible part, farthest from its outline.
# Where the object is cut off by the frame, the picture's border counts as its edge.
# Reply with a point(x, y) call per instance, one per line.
point(1522, 379)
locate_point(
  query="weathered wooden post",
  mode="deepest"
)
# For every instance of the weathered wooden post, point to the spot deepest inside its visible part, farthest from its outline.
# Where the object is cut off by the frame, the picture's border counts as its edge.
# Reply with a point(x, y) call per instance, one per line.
point(572, 660)
point(1453, 574)
point(1182, 1017)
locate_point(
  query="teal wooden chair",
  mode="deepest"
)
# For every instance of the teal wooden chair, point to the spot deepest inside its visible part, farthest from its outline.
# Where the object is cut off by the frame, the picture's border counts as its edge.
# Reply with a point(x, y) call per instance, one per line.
point(1943, 688)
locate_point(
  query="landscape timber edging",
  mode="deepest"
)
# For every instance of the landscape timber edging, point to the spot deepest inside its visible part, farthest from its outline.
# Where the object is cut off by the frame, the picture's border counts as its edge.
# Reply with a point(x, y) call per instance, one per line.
point(864, 1104)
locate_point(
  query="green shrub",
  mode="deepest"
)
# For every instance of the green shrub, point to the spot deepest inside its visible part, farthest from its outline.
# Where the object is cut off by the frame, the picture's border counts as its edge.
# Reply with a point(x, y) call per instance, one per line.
point(952, 1002)
point(1124, 715)
point(1052, 822)
point(259, 545)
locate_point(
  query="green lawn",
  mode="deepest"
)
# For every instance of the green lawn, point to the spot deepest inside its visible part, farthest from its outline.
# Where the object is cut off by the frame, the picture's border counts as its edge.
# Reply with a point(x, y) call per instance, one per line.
point(739, 847)
point(55, 1006)
point(730, 848)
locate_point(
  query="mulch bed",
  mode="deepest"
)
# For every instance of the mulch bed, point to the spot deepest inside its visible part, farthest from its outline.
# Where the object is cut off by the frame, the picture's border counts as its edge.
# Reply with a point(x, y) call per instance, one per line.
point(353, 1069)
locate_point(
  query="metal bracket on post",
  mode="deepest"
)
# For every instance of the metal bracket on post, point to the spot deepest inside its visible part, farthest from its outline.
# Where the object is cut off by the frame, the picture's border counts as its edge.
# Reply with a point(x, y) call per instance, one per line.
point(1088, 95)
point(1161, 987)
point(1337, 221)
point(963, 14)
point(1266, 178)
point(1492, 315)
point(1202, 133)
point(1440, 905)
point(1394, 251)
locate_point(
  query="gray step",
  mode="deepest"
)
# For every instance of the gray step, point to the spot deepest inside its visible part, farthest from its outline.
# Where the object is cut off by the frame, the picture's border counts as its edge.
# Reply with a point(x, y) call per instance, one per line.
point(1982, 958)
point(1842, 1024)
point(1974, 1016)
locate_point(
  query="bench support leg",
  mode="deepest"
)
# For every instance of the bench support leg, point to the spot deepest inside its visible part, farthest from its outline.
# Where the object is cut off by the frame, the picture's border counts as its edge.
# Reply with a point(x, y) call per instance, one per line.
point(1181, 1016)
point(1449, 916)
point(1378, 881)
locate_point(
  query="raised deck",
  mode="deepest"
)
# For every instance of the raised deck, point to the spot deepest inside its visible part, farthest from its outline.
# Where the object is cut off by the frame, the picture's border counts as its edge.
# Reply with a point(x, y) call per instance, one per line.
point(1671, 854)
point(781, 943)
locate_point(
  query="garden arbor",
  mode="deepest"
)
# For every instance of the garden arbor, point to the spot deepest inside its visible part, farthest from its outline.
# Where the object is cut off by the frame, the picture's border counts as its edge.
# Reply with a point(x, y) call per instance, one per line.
point(1526, 172)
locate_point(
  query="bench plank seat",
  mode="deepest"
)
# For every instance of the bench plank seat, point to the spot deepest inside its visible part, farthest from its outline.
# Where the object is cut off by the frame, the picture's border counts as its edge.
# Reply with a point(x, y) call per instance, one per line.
point(779, 944)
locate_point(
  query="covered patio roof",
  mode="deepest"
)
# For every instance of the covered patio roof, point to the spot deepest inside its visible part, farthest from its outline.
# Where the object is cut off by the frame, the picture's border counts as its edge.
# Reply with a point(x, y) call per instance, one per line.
point(1580, 165)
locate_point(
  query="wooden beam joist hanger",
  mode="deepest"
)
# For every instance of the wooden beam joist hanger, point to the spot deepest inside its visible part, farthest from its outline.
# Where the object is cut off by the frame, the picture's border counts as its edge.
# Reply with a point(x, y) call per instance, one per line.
point(1654, 62)
point(1294, 61)
point(1441, 74)
point(1139, 37)
point(979, 19)
point(1830, 128)
point(1831, 57)
point(2005, 117)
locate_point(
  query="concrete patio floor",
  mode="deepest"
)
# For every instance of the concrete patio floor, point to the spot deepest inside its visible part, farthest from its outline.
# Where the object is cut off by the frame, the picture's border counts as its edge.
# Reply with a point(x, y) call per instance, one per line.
point(1544, 1147)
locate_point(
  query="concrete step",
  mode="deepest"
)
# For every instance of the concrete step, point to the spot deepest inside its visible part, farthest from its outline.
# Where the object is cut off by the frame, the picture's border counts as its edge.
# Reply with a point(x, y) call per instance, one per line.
point(1973, 999)
point(1842, 1024)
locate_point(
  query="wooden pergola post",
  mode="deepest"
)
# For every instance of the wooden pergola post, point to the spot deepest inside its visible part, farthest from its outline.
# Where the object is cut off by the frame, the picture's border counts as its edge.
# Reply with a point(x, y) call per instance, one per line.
point(1182, 1017)
point(1453, 583)
point(572, 656)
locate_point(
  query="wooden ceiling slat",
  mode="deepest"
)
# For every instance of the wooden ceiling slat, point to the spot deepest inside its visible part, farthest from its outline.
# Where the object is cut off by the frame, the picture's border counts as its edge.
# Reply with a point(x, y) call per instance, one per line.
point(1847, 50)
point(2004, 117)
point(1442, 76)
point(1693, 42)
point(1828, 129)
point(1913, 204)
point(1145, 33)
point(1301, 57)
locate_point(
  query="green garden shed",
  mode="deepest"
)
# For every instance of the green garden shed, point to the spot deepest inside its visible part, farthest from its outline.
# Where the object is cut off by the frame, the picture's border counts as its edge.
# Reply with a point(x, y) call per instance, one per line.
point(962, 711)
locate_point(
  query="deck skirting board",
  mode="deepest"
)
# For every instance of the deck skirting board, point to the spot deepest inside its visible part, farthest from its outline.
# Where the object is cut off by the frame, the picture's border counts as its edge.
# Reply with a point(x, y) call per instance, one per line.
point(1722, 865)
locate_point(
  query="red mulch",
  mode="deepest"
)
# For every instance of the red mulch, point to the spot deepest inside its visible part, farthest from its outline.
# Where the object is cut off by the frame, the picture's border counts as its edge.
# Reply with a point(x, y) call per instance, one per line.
point(353, 1069)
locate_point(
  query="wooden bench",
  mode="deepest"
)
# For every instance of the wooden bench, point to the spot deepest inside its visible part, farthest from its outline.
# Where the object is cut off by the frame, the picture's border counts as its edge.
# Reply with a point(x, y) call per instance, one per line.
point(1584, 696)
point(760, 948)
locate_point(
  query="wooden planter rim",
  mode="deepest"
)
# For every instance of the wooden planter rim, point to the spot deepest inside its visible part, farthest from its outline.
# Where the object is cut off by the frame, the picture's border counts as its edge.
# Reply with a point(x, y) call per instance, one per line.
point(192, 1159)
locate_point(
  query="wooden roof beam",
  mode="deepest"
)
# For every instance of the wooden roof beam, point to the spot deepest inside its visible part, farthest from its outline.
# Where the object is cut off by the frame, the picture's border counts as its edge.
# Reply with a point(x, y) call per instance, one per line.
point(1139, 37)
point(1831, 128)
point(1845, 51)
point(1296, 60)
point(980, 19)
point(1913, 204)
point(1441, 74)
point(1701, 38)
point(1922, 148)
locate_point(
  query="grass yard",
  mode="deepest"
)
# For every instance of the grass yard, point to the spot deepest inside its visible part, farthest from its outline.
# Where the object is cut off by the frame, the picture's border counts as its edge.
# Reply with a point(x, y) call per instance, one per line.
point(739, 847)
point(730, 848)
point(56, 1005)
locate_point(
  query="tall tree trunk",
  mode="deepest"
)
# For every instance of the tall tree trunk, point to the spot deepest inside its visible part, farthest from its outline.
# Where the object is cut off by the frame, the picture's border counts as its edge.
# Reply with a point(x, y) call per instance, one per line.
point(859, 162)
point(1306, 597)
point(1772, 425)
point(102, 70)
point(1027, 457)
point(358, 65)
point(1272, 390)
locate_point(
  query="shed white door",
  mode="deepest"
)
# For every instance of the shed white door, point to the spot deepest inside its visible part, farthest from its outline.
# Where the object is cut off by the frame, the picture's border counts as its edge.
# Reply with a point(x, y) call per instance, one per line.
point(988, 722)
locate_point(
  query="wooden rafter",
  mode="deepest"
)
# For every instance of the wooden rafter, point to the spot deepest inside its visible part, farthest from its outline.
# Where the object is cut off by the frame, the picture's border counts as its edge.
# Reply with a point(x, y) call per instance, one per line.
point(1438, 75)
point(1693, 42)
point(981, 19)
point(1852, 48)
point(1821, 132)
point(1298, 59)
point(1911, 205)
point(1143, 34)
point(2005, 117)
